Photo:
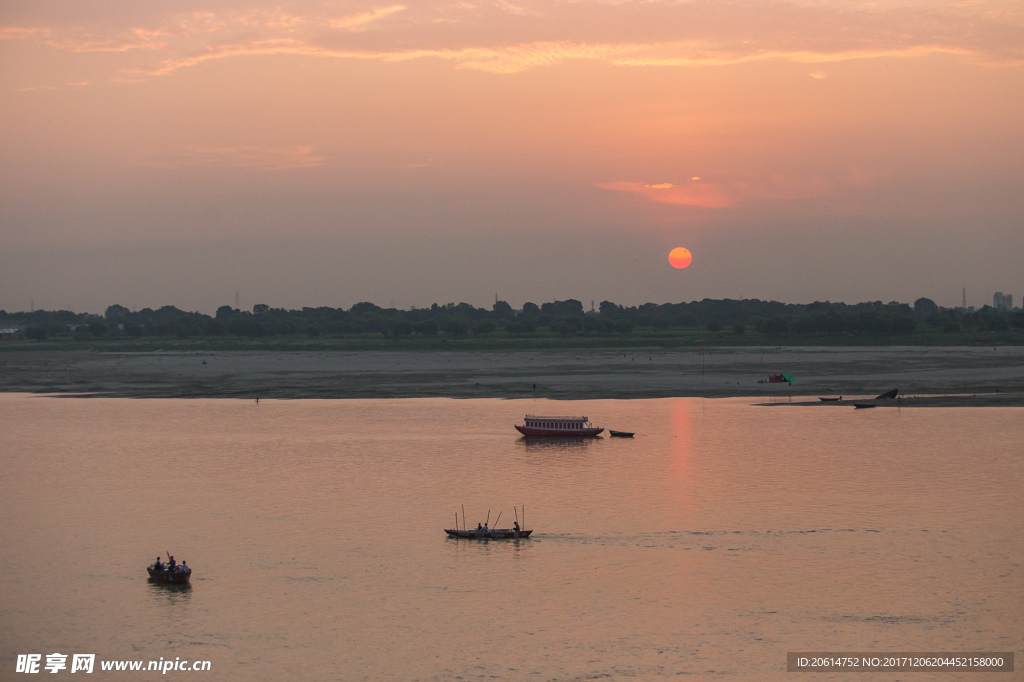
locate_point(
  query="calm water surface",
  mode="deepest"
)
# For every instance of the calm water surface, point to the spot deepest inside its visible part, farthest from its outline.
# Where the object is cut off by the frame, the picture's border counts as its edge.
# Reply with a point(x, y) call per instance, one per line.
point(721, 537)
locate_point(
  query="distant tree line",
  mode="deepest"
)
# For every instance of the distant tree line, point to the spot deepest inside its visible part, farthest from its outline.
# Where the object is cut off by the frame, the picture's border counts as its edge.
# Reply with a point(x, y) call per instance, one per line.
point(770, 318)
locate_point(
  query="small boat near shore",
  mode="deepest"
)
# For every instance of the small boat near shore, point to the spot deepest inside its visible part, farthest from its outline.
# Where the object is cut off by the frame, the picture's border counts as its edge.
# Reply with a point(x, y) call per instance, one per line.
point(864, 406)
point(831, 400)
point(572, 427)
point(620, 434)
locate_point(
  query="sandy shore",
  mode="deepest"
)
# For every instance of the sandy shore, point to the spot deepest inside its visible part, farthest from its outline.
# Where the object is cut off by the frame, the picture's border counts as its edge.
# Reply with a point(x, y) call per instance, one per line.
point(982, 376)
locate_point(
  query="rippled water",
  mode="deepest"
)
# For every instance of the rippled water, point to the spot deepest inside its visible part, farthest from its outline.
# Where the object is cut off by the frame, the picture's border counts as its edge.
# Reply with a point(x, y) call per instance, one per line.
point(721, 537)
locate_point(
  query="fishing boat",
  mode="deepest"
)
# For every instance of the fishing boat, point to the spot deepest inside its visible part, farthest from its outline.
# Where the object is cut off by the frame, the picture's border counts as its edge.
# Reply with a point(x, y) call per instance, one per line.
point(888, 395)
point(536, 425)
point(864, 406)
point(620, 434)
point(489, 534)
point(484, 532)
point(165, 574)
point(831, 400)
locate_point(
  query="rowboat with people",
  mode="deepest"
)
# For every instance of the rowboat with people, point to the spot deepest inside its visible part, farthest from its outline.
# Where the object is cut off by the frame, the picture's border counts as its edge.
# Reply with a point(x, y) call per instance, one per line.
point(171, 572)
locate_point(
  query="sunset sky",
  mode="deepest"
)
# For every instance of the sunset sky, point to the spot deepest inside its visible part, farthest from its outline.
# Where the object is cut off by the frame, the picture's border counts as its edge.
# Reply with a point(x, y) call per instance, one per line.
point(307, 154)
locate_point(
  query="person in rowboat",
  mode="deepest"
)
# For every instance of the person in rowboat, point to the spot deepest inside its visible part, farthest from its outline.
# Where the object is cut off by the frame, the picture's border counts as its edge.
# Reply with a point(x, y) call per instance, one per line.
point(158, 566)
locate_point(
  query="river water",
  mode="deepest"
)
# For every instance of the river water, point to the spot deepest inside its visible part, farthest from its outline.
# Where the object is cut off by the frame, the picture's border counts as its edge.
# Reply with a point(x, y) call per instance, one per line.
point(722, 536)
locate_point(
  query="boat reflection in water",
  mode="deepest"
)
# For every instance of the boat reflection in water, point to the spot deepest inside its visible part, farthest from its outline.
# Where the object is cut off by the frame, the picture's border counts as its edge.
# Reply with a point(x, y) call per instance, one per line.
point(556, 443)
point(163, 594)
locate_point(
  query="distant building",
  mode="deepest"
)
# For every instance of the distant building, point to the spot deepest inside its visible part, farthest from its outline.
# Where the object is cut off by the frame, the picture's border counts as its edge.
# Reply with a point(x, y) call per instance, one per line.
point(1001, 301)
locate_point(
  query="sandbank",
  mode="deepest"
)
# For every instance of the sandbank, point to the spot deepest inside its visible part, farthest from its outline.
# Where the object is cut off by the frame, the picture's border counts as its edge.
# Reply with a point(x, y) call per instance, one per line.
point(924, 375)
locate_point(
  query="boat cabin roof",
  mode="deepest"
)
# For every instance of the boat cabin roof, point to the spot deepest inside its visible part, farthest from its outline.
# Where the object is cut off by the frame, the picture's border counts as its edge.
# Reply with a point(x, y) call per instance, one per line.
point(555, 419)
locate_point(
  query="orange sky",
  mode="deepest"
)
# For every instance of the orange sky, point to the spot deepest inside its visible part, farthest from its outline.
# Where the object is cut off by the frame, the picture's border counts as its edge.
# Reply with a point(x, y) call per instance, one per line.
point(326, 153)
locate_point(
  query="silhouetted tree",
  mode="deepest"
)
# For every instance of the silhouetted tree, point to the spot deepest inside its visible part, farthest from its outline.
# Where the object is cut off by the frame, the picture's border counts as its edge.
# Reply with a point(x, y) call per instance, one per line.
point(226, 312)
point(456, 326)
point(116, 313)
point(401, 328)
point(502, 310)
point(925, 306)
point(427, 327)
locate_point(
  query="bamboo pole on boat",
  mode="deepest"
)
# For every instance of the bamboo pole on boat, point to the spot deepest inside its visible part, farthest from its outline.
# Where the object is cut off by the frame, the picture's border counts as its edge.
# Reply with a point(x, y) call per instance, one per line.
point(488, 517)
point(496, 520)
point(463, 517)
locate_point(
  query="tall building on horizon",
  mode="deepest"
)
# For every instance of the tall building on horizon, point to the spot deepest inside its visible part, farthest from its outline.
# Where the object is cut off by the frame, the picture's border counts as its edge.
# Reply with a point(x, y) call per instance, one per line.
point(1001, 301)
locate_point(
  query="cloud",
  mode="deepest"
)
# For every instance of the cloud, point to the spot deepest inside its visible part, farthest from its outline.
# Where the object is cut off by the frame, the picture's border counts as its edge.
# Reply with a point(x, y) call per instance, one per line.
point(681, 54)
point(705, 195)
point(135, 39)
point(359, 21)
point(248, 157)
point(779, 186)
point(728, 193)
point(507, 37)
point(23, 32)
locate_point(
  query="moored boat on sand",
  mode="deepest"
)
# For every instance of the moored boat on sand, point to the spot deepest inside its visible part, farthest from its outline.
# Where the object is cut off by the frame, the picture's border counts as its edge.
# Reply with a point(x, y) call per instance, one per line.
point(536, 425)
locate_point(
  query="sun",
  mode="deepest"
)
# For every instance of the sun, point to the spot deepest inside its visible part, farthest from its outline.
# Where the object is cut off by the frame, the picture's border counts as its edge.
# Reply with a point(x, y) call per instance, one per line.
point(680, 257)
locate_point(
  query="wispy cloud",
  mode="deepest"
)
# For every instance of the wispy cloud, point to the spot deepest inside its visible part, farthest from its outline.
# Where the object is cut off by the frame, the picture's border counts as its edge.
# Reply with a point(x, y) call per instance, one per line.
point(732, 192)
point(134, 39)
point(507, 37)
point(249, 157)
point(359, 21)
point(691, 193)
